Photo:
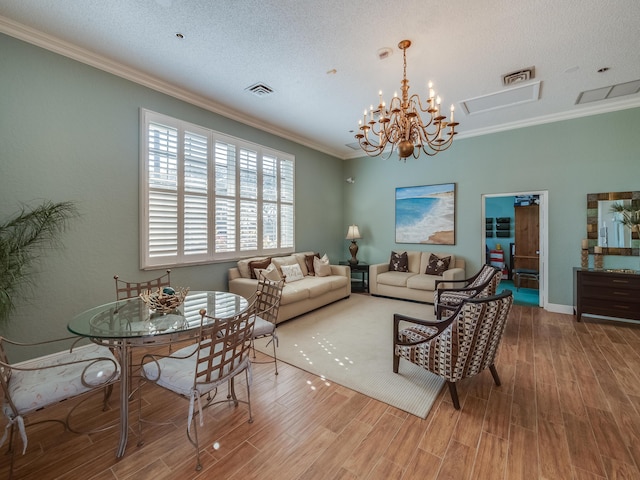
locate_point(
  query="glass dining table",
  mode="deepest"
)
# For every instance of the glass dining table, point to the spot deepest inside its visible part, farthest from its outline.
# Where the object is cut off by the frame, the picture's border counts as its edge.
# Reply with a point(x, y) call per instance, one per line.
point(126, 324)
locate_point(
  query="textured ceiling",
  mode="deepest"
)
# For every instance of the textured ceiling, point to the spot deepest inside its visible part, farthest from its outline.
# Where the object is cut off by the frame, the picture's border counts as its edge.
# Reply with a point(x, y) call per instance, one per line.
point(463, 46)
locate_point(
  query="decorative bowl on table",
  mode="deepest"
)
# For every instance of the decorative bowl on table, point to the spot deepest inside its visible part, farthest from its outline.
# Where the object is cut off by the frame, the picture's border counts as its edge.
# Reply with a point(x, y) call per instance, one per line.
point(164, 299)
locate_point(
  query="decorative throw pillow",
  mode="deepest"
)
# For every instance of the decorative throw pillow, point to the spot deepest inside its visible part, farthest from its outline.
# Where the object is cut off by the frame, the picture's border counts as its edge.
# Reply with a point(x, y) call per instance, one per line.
point(292, 273)
point(321, 266)
point(437, 265)
point(270, 273)
point(258, 265)
point(308, 260)
point(399, 262)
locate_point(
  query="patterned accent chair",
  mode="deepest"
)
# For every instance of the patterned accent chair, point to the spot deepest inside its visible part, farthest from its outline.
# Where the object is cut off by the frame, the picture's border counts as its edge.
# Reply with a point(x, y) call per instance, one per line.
point(459, 347)
point(483, 284)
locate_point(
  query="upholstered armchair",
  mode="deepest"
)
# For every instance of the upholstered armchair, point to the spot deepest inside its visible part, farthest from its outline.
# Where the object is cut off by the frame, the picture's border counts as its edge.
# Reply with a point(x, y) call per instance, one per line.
point(458, 347)
point(483, 284)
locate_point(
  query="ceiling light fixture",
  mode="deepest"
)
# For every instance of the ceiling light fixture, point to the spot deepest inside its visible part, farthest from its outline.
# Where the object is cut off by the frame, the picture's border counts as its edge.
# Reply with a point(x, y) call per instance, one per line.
point(401, 126)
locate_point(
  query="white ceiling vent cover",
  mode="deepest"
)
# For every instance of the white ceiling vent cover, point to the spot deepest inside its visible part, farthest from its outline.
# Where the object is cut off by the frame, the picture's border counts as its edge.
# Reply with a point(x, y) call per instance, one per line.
point(519, 76)
point(505, 98)
point(260, 89)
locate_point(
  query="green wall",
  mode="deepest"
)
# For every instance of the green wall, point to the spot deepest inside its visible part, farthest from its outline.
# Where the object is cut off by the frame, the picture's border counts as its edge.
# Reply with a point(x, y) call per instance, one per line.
point(568, 159)
point(69, 131)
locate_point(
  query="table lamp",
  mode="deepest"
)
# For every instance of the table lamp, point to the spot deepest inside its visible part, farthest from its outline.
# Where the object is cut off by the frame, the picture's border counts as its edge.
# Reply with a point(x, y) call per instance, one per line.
point(353, 234)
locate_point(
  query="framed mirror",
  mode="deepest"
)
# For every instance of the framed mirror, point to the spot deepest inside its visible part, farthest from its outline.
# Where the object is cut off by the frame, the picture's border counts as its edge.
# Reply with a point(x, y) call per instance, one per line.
point(604, 228)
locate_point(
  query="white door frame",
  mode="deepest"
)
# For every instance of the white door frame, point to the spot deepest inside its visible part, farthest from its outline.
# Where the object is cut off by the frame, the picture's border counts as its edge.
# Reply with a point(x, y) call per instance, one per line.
point(544, 237)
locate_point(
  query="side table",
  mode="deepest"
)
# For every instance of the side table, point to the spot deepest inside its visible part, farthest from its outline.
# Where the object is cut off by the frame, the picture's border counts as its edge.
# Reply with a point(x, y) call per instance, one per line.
point(360, 284)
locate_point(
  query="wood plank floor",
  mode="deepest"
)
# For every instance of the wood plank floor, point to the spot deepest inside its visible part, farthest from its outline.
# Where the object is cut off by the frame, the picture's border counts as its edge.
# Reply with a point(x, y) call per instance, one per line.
point(568, 408)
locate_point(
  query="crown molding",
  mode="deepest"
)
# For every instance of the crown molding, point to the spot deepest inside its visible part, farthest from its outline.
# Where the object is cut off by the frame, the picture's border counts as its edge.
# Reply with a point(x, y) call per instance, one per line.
point(69, 50)
point(61, 47)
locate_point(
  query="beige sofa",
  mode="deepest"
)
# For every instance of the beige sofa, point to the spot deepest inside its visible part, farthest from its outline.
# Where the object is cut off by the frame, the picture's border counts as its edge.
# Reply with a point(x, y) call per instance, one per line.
point(414, 284)
point(300, 296)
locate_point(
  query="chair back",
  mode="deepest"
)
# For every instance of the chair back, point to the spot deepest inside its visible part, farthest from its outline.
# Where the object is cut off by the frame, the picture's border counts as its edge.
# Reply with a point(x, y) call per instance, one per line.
point(477, 332)
point(268, 297)
point(485, 274)
point(126, 290)
point(223, 346)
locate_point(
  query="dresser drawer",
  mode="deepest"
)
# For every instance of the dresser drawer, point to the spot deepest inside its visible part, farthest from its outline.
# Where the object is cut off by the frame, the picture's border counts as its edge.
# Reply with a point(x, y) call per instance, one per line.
point(610, 294)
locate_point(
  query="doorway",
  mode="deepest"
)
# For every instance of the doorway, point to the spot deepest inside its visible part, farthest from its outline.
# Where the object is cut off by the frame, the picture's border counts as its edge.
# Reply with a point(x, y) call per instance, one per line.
point(504, 239)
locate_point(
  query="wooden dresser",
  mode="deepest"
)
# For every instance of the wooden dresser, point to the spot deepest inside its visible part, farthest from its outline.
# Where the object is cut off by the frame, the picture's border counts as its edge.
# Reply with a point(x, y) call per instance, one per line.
point(609, 293)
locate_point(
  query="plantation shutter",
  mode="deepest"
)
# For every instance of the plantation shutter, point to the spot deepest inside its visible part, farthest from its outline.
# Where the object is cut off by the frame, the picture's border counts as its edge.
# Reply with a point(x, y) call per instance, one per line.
point(209, 197)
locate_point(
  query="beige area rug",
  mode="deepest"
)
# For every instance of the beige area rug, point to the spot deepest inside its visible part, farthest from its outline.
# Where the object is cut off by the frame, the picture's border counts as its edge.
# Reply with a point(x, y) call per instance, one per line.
point(350, 343)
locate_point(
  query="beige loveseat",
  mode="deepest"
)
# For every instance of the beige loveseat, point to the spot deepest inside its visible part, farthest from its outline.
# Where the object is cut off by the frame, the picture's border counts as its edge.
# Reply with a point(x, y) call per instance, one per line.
point(414, 284)
point(300, 296)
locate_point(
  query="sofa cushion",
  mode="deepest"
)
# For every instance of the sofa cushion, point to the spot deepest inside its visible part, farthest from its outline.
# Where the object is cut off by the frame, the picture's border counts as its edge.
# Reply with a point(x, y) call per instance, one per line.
point(427, 255)
point(321, 266)
point(399, 262)
point(294, 292)
point(437, 265)
point(423, 282)
point(395, 279)
point(318, 286)
point(270, 273)
point(300, 256)
point(308, 261)
point(292, 273)
point(243, 266)
point(288, 260)
point(258, 265)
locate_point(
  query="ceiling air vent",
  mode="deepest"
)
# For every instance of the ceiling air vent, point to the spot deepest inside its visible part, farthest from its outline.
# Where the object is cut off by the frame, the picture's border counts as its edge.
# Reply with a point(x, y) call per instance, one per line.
point(519, 76)
point(260, 90)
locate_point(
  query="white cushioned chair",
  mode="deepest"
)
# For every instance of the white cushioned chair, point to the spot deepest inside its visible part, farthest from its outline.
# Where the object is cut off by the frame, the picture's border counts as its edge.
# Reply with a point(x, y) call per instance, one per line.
point(31, 386)
point(221, 352)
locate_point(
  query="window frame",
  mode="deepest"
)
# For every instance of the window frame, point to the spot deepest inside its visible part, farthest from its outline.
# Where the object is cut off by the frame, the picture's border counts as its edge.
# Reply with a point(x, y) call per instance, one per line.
point(284, 199)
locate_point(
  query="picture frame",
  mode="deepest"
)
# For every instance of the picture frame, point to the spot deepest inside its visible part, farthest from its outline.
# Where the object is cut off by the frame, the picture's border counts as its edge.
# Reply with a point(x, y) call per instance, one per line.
point(426, 214)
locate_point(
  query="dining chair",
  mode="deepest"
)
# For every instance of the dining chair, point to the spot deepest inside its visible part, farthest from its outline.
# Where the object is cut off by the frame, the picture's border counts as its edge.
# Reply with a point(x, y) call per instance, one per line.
point(461, 346)
point(31, 386)
point(267, 305)
point(483, 284)
point(220, 353)
point(125, 290)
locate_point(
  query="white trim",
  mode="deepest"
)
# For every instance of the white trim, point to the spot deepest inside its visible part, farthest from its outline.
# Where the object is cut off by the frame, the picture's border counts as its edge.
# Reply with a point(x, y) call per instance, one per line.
point(61, 47)
point(543, 242)
point(558, 308)
point(66, 49)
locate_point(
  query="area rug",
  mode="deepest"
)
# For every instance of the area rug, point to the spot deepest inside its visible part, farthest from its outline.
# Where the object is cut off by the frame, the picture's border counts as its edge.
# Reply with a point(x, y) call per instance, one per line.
point(349, 342)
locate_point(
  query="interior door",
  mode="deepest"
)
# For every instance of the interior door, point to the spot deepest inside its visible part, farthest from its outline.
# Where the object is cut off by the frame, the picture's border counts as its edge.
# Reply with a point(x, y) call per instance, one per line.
point(527, 241)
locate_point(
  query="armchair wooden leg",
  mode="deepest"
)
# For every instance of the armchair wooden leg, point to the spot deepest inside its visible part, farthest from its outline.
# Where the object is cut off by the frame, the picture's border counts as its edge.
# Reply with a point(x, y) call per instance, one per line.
point(396, 363)
point(494, 372)
point(454, 394)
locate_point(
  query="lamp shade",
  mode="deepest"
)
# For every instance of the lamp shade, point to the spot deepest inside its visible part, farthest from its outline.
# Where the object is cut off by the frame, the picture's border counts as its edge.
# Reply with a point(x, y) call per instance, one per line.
point(353, 233)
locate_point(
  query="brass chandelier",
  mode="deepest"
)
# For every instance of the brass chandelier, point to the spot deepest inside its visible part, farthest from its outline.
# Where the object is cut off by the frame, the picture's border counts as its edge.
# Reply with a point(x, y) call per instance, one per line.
point(401, 125)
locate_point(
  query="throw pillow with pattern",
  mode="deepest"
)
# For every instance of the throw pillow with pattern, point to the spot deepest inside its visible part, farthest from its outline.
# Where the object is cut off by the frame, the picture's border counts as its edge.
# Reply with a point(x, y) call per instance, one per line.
point(258, 265)
point(399, 262)
point(437, 265)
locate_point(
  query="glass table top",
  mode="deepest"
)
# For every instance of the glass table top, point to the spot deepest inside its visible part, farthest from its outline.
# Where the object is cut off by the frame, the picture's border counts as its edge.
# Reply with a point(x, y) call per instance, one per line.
point(132, 318)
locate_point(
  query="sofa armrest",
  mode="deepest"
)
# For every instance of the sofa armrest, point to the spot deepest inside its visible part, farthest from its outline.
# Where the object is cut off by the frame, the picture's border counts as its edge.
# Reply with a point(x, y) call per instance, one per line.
point(234, 273)
point(245, 287)
point(374, 271)
point(450, 277)
point(342, 270)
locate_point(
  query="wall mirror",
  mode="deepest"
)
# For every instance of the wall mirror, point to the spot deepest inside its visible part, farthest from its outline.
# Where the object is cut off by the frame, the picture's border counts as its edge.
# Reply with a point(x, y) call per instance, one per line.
point(603, 226)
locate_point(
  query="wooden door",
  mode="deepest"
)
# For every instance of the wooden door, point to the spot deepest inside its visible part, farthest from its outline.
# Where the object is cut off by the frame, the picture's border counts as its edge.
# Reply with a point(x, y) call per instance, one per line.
point(527, 247)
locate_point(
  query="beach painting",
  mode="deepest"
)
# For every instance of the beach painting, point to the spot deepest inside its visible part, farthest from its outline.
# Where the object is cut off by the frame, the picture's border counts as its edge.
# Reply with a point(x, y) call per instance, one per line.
point(426, 214)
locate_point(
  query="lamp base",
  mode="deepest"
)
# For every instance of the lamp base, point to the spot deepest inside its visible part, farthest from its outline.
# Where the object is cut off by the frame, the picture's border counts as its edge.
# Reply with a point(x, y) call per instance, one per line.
point(353, 250)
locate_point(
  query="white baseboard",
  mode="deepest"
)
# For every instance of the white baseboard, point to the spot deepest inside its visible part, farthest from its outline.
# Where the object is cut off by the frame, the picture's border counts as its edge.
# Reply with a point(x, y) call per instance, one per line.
point(558, 308)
